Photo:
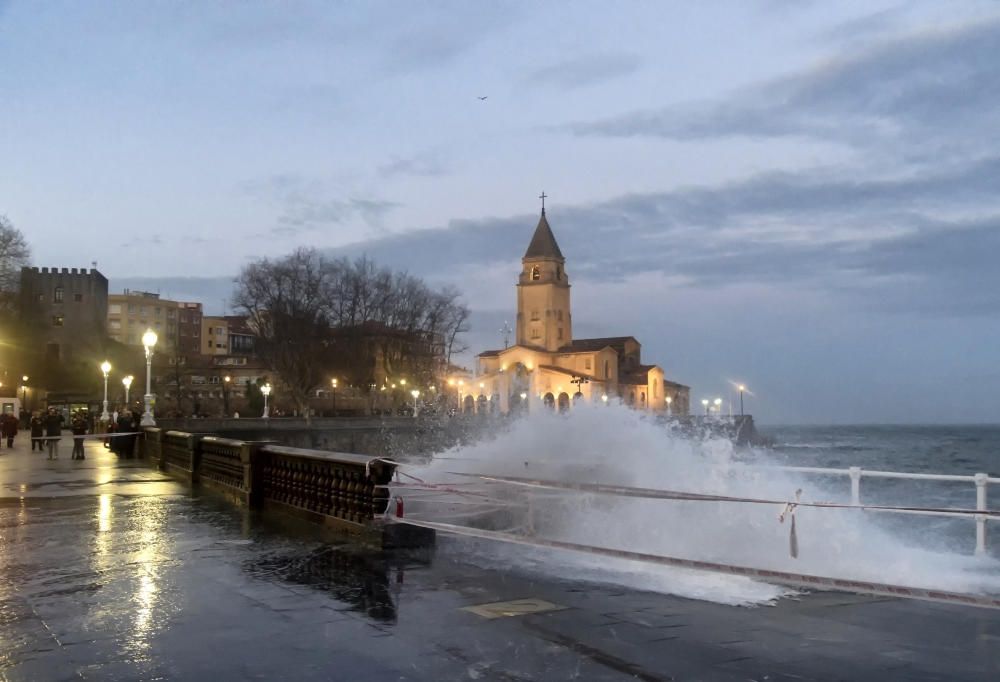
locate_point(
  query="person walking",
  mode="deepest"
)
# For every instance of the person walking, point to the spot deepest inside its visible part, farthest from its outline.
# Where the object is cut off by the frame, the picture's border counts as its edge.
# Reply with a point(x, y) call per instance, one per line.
point(37, 431)
point(79, 428)
point(8, 427)
point(53, 432)
point(126, 444)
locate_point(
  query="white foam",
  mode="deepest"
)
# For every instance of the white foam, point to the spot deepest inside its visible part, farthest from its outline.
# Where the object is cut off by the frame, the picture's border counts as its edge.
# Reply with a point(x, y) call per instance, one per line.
point(618, 446)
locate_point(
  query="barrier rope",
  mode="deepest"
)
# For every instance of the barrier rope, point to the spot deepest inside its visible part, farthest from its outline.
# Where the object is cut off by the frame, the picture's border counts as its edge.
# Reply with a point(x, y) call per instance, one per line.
point(91, 436)
point(656, 494)
point(801, 580)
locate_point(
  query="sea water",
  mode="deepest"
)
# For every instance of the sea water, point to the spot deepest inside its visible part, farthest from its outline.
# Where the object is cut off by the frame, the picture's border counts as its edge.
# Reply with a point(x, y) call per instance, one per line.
point(617, 446)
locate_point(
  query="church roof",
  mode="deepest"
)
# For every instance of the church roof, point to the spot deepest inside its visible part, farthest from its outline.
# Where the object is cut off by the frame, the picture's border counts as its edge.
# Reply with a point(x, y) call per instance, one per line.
point(570, 372)
point(543, 243)
point(581, 345)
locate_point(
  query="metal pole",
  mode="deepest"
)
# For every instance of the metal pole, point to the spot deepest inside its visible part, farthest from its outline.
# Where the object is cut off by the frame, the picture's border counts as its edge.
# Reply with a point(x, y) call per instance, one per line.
point(147, 416)
point(855, 473)
point(981, 482)
point(104, 415)
point(741, 403)
point(265, 405)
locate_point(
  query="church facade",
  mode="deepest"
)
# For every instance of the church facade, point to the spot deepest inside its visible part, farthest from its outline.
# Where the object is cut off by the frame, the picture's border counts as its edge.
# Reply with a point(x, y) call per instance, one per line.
point(548, 367)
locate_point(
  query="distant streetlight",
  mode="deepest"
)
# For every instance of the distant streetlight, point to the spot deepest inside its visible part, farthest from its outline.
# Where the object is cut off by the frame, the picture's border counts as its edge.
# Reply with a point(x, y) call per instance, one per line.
point(718, 406)
point(333, 387)
point(604, 398)
point(704, 402)
point(741, 388)
point(106, 369)
point(669, 401)
point(402, 382)
point(416, 394)
point(24, 392)
point(265, 391)
point(225, 393)
point(148, 342)
point(127, 383)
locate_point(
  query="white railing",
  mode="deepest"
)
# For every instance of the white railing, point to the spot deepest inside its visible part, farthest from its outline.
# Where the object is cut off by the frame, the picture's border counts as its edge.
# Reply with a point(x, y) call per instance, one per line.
point(981, 481)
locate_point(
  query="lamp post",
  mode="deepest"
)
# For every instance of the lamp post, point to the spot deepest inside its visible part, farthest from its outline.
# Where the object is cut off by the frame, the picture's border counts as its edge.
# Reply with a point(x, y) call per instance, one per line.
point(225, 393)
point(148, 342)
point(24, 392)
point(604, 398)
point(670, 400)
point(333, 385)
point(127, 383)
point(741, 388)
point(718, 406)
point(106, 369)
point(704, 403)
point(415, 393)
point(524, 398)
point(265, 391)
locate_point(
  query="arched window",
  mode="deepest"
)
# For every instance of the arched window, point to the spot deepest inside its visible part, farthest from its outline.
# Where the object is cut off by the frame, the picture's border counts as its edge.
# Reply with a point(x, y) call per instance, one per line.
point(535, 274)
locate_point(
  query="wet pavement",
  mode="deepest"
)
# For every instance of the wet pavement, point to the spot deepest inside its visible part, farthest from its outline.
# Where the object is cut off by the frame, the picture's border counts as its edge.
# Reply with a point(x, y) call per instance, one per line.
point(111, 571)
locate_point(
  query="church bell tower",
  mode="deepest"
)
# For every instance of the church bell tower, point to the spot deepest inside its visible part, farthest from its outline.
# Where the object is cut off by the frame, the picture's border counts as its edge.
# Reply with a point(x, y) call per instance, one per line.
point(543, 312)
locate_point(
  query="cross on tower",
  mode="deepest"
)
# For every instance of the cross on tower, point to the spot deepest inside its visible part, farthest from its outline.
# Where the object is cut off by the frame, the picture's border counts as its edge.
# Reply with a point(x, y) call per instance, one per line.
point(542, 197)
point(506, 330)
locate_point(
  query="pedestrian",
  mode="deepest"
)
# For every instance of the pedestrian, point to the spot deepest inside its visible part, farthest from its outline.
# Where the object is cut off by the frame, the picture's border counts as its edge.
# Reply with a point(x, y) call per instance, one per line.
point(53, 432)
point(9, 427)
point(126, 444)
point(37, 430)
point(79, 428)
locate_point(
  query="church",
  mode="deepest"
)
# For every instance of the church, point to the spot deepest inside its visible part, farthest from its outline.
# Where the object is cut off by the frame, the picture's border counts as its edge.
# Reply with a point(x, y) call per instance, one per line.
point(548, 367)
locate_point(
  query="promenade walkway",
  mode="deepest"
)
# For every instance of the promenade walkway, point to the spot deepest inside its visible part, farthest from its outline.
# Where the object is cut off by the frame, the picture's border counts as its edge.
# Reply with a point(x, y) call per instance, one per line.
point(110, 571)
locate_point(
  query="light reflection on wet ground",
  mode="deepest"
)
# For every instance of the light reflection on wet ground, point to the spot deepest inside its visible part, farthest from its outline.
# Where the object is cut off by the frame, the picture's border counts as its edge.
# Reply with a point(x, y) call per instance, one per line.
point(110, 571)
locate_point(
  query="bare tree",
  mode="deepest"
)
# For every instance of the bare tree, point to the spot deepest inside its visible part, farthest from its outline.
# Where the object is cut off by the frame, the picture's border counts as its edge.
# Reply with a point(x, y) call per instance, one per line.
point(316, 318)
point(14, 254)
point(286, 301)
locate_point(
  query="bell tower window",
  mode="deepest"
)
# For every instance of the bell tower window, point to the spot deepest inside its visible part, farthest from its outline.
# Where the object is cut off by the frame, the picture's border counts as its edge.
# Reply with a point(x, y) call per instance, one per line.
point(535, 274)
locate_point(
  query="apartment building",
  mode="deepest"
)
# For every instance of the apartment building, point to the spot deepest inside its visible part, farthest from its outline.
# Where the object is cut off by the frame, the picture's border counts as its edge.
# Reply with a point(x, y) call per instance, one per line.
point(177, 323)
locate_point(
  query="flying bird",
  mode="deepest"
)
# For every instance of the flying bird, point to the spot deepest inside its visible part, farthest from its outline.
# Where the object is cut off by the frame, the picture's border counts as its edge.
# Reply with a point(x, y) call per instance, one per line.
point(483, 97)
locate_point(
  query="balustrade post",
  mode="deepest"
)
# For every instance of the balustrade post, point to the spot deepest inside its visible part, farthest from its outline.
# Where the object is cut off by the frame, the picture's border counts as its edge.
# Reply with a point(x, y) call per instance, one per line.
point(981, 483)
point(855, 473)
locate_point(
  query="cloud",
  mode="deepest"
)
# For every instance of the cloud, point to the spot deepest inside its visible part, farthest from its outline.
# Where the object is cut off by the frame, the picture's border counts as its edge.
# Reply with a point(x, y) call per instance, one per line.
point(422, 165)
point(584, 71)
point(876, 241)
point(936, 90)
point(304, 204)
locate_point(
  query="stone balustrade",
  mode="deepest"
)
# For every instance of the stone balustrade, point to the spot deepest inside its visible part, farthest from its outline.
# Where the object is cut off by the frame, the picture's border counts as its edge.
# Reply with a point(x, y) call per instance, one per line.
point(342, 491)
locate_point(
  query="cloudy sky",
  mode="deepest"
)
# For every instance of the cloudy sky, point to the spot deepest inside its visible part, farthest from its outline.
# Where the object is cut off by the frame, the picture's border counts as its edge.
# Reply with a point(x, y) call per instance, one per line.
point(802, 196)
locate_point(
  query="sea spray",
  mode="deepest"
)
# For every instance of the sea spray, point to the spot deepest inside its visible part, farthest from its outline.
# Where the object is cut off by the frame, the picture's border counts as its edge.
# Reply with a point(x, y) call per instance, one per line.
point(617, 446)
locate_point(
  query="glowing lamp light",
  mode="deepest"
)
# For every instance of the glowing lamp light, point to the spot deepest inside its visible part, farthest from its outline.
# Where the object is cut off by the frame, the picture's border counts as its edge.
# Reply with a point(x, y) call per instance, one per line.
point(149, 339)
point(402, 382)
point(415, 393)
point(451, 382)
point(604, 398)
point(106, 367)
point(127, 381)
point(265, 389)
point(524, 396)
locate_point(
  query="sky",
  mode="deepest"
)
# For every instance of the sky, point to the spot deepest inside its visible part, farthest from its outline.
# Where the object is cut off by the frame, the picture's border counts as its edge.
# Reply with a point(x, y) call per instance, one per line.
point(798, 196)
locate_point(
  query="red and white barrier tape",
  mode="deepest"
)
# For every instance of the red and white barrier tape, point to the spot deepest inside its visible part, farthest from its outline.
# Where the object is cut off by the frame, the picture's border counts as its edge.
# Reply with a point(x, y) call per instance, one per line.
point(766, 575)
point(90, 436)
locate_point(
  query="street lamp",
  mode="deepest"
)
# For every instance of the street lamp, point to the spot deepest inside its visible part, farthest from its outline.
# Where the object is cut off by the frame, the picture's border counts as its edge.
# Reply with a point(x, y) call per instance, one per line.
point(148, 342)
point(333, 385)
point(670, 399)
point(24, 392)
point(106, 369)
point(127, 383)
point(415, 393)
point(741, 388)
point(225, 393)
point(604, 398)
point(704, 403)
point(718, 406)
point(265, 391)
